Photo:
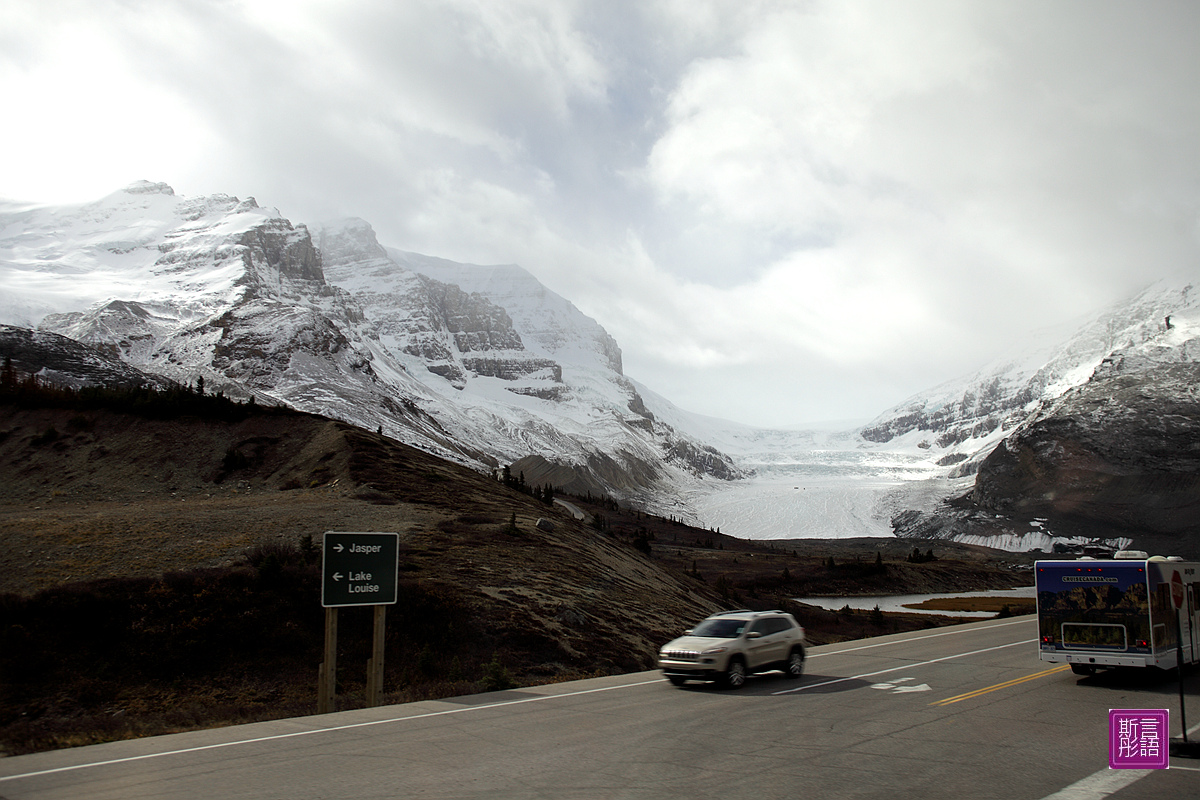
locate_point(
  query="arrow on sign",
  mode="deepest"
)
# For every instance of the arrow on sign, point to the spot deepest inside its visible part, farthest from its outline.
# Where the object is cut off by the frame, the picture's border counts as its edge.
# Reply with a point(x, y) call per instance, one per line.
point(338, 547)
point(337, 576)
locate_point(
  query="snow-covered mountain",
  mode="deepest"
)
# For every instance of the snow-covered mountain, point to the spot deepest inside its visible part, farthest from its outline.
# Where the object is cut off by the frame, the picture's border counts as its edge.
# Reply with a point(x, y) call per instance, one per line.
point(482, 365)
point(1097, 445)
point(958, 423)
point(486, 366)
point(1119, 452)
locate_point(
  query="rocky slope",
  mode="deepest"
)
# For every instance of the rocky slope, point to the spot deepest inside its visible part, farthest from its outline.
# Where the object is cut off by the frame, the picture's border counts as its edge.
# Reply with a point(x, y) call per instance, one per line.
point(1114, 461)
point(1121, 453)
point(65, 362)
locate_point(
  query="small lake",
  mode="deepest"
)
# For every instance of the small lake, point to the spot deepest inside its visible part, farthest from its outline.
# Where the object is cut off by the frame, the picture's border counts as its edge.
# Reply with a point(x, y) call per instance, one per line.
point(899, 602)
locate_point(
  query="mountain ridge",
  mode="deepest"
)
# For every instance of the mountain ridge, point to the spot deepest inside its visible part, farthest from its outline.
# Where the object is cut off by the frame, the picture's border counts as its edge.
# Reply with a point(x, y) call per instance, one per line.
point(327, 320)
point(487, 367)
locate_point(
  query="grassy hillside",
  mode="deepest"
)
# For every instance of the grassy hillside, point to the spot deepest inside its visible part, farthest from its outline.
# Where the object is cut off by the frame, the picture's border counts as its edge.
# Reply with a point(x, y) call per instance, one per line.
point(159, 570)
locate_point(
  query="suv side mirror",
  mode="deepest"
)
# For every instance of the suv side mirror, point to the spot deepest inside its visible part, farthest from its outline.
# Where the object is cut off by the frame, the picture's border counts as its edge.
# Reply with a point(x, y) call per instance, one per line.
point(754, 635)
point(688, 632)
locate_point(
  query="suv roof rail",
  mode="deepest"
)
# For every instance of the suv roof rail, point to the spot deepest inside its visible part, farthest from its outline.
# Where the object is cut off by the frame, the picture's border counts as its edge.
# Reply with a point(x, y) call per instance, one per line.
point(734, 611)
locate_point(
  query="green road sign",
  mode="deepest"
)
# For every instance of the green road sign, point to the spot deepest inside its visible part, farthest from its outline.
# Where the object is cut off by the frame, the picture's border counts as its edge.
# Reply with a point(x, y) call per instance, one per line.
point(359, 569)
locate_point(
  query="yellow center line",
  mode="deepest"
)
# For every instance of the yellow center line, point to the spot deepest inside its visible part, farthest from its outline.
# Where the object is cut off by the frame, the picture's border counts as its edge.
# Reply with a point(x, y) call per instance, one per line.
point(1004, 685)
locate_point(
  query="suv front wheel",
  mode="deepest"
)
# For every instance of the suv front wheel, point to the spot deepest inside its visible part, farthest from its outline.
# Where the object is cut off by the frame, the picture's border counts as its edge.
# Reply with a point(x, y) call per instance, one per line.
point(735, 673)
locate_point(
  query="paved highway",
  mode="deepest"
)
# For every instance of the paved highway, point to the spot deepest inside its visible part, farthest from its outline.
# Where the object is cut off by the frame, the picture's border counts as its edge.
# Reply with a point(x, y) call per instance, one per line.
point(962, 712)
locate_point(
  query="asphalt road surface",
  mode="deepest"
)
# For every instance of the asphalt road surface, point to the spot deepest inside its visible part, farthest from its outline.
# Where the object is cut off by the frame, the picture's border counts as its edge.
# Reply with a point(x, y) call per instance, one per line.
point(960, 712)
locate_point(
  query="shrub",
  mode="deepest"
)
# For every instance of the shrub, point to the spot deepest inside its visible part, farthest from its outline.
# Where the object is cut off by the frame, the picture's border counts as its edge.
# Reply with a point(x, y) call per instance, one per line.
point(281, 553)
point(48, 436)
point(496, 677)
point(309, 552)
point(234, 459)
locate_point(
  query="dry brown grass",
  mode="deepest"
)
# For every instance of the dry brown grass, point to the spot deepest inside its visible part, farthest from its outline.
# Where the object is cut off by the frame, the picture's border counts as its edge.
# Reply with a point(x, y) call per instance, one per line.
point(1015, 605)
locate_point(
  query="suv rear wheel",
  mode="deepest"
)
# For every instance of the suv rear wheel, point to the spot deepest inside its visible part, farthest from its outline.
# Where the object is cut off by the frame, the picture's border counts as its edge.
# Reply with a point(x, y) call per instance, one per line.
point(794, 667)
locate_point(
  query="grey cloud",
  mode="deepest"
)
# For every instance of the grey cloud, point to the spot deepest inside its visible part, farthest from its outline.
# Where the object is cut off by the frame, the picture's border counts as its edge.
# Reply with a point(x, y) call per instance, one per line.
point(846, 202)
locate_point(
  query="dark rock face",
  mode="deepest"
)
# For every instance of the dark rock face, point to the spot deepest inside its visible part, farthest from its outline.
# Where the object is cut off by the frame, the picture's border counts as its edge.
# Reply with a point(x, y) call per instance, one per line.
point(1122, 451)
point(277, 254)
point(979, 411)
point(511, 369)
point(259, 340)
point(554, 393)
point(459, 333)
point(476, 323)
point(703, 459)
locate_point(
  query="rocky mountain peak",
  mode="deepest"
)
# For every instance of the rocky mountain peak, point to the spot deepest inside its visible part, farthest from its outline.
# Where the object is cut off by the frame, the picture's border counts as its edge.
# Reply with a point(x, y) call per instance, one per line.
point(350, 241)
point(282, 258)
point(148, 187)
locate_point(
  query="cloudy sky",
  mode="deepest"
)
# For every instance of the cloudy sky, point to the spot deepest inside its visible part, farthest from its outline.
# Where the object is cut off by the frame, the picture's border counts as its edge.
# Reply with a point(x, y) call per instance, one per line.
point(782, 211)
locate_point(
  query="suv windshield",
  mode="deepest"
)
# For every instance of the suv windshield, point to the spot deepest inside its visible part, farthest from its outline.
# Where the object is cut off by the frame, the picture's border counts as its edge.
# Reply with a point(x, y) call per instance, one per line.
point(720, 628)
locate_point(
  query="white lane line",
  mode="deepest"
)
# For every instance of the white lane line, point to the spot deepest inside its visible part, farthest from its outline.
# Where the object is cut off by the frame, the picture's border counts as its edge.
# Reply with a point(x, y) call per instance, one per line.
point(276, 737)
point(279, 736)
point(905, 666)
point(921, 638)
point(1099, 784)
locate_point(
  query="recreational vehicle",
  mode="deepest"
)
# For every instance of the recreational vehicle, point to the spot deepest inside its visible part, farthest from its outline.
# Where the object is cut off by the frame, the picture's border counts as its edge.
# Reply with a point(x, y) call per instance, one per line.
point(1127, 611)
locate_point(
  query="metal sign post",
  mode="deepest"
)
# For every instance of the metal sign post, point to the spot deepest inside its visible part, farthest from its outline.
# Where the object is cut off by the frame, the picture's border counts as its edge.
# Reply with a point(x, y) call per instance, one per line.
point(375, 662)
point(357, 569)
point(327, 672)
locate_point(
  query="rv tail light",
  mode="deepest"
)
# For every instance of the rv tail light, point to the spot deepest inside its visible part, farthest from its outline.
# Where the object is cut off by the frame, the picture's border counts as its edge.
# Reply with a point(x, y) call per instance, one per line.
point(1047, 639)
point(1143, 643)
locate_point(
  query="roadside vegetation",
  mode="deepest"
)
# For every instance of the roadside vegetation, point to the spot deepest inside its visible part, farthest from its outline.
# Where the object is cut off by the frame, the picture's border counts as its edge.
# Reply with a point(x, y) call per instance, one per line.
point(123, 657)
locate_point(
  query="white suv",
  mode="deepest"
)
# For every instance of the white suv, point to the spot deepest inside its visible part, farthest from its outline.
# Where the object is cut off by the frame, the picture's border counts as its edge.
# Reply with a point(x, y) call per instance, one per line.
point(727, 647)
